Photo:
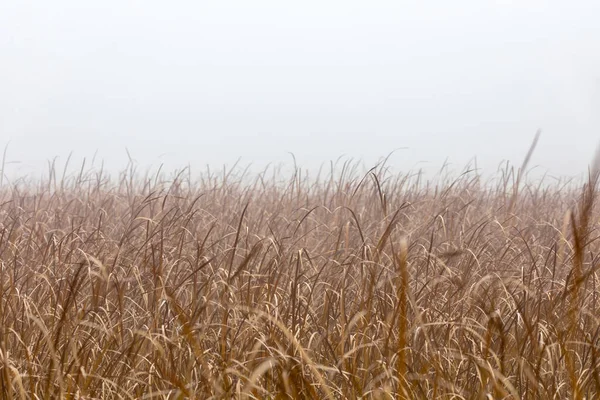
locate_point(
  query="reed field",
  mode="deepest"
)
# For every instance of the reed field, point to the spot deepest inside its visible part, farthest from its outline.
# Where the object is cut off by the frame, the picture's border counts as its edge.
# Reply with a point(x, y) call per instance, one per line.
point(351, 284)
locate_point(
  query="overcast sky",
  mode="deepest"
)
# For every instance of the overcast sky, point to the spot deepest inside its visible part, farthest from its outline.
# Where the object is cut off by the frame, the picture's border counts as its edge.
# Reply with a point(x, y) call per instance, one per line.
point(206, 82)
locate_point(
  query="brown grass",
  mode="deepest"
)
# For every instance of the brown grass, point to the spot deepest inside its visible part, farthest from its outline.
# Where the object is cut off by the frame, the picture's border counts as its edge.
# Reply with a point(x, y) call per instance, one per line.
point(350, 286)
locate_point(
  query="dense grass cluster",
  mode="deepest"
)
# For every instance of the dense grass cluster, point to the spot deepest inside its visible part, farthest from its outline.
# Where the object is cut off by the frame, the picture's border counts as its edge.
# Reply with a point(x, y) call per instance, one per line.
point(353, 285)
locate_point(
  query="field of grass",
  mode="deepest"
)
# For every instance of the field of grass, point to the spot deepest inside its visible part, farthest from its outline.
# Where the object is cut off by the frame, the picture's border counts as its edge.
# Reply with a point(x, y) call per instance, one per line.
point(354, 285)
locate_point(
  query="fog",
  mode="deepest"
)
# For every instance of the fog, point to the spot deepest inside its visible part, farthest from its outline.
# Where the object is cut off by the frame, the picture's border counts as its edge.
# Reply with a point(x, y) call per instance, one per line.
point(205, 83)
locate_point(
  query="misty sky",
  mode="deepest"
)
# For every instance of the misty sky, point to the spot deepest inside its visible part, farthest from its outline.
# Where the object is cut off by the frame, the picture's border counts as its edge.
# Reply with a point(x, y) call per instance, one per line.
point(206, 82)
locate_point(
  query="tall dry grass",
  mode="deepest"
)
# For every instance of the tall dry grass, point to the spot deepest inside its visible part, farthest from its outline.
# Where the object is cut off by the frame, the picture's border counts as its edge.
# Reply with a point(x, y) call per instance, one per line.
point(352, 285)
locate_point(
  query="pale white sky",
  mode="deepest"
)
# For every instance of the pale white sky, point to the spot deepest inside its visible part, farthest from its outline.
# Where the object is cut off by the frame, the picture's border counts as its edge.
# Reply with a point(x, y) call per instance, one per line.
point(206, 82)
